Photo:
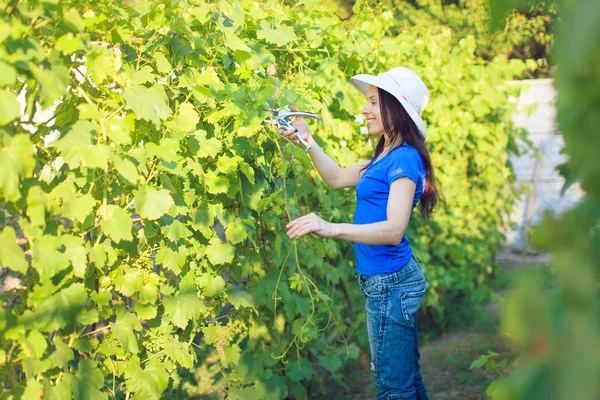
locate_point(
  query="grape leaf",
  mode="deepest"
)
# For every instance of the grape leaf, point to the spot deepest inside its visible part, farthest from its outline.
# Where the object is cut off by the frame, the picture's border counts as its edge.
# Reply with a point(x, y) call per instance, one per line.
point(151, 203)
point(219, 253)
point(281, 35)
point(186, 306)
point(9, 107)
point(149, 104)
point(88, 380)
point(123, 330)
point(148, 383)
point(16, 163)
point(11, 255)
point(117, 224)
point(61, 309)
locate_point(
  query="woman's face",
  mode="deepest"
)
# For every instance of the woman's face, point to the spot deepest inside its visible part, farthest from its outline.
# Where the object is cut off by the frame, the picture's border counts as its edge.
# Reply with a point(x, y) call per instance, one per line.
point(372, 112)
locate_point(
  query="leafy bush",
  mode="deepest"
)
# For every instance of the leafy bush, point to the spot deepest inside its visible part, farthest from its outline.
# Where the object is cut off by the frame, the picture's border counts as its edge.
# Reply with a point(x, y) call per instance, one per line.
point(557, 331)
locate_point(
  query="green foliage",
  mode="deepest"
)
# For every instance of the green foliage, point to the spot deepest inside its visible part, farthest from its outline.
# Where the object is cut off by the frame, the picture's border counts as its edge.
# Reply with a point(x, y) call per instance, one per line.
point(150, 209)
point(557, 329)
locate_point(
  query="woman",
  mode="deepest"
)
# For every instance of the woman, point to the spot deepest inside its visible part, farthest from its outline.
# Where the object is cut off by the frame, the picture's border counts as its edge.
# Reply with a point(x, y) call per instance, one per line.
point(388, 187)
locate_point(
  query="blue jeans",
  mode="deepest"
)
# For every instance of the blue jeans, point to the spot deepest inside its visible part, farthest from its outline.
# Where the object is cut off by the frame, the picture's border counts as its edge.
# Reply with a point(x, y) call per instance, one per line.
point(393, 300)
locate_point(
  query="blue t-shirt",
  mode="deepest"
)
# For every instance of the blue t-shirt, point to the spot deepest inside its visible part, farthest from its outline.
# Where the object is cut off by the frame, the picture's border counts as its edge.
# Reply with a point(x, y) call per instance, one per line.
point(372, 193)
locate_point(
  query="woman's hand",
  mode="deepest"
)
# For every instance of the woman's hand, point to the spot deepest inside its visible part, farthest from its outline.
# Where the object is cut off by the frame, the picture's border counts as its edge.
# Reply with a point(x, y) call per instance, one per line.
point(301, 125)
point(311, 223)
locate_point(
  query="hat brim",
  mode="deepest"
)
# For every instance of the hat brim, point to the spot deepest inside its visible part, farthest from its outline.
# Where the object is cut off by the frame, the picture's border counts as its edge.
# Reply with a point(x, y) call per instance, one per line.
point(362, 82)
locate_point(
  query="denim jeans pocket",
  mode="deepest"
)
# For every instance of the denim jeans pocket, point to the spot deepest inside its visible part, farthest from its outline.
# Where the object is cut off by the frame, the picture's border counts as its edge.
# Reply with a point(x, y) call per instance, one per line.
point(411, 301)
point(371, 288)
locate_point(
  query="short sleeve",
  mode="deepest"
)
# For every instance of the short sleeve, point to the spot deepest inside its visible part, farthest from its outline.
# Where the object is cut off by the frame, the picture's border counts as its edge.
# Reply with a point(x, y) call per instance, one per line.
point(405, 164)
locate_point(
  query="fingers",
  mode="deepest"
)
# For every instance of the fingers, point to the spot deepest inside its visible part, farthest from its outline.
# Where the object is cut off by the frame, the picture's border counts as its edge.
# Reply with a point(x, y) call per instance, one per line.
point(293, 108)
point(301, 226)
point(290, 134)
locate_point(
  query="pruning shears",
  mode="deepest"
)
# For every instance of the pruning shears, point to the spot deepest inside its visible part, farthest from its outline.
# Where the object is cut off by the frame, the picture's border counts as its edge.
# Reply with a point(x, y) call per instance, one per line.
point(283, 120)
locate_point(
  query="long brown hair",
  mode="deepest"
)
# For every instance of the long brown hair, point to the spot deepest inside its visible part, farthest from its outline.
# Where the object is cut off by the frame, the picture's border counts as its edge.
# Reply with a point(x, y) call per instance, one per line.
point(398, 124)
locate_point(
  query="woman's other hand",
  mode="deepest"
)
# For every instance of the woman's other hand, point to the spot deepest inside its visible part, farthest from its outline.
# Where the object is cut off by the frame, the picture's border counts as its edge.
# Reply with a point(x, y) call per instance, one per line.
point(301, 125)
point(311, 223)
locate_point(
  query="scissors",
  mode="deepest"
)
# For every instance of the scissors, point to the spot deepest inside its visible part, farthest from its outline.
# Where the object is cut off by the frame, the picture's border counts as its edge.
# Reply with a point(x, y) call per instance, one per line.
point(283, 120)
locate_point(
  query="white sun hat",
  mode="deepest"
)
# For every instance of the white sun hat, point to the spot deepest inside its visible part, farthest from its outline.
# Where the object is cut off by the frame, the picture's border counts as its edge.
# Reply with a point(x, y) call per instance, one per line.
point(403, 84)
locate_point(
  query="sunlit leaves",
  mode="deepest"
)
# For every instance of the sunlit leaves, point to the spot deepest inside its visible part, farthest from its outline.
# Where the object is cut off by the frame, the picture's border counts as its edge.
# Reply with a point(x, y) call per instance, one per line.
point(151, 203)
point(9, 107)
point(186, 305)
point(149, 382)
point(11, 255)
point(16, 163)
point(123, 330)
point(61, 308)
point(219, 253)
point(88, 380)
point(148, 103)
point(279, 35)
point(117, 224)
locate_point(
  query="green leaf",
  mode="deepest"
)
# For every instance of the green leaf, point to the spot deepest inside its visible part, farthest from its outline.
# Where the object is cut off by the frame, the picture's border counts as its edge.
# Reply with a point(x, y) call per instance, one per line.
point(211, 285)
point(330, 363)
point(216, 183)
point(117, 224)
point(34, 345)
point(16, 163)
point(240, 298)
point(186, 306)
point(175, 231)
point(102, 64)
point(151, 203)
point(87, 382)
point(186, 119)
point(167, 149)
point(219, 253)
point(58, 391)
point(33, 389)
point(145, 311)
point(88, 317)
point(228, 164)
point(78, 209)
point(148, 383)
point(149, 104)
point(202, 220)
point(126, 169)
point(129, 283)
point(76, 253)
point(88, 111)
point(180, 353)
point(8, 75)
point(143, 75)
point(148, 293)
point(281, 35)
point(61, 309)
point(236, 231)
point(119, 129)
point(9, 107)
point(480, 362)
point(208, 147)
point(47, 259)
point(11, 255)
point(62, 355)
point(68, 43)
point(296, 371)
point(162, 64)
point(123, 330)
point(73, 18)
